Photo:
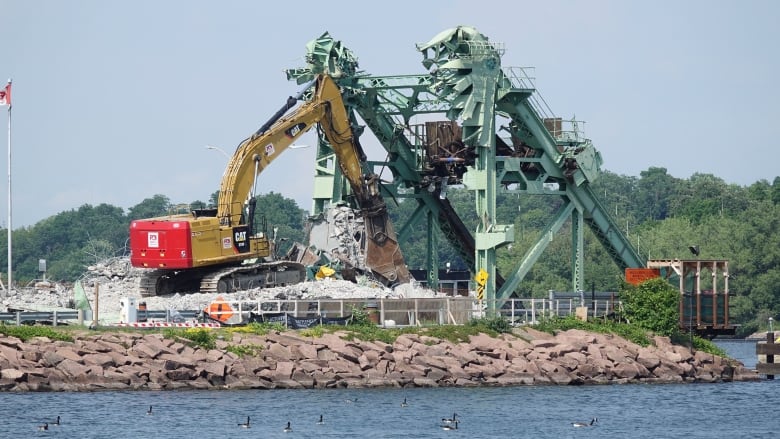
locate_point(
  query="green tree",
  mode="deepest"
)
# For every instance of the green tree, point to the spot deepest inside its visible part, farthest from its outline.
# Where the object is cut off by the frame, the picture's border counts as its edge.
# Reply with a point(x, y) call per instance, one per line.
point(653, 305)
point(284, 215)
point(775, 193)
point(69, 241)
point(654, 192)
point(158, 205)
point(214, 199)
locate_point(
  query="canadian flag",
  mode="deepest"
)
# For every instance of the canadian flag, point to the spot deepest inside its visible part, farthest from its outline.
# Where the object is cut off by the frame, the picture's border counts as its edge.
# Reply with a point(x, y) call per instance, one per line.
point(5, 95)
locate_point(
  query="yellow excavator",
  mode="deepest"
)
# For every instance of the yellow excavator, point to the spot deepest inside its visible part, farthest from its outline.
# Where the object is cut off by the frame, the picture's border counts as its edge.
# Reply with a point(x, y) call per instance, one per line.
point(222, 249)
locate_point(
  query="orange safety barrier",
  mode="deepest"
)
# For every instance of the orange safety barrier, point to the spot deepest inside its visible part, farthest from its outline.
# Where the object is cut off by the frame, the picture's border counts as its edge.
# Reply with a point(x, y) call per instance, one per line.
point(219, 309)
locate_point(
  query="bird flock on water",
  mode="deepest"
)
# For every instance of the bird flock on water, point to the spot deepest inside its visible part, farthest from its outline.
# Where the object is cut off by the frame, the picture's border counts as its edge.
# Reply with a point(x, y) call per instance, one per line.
point(446, 423)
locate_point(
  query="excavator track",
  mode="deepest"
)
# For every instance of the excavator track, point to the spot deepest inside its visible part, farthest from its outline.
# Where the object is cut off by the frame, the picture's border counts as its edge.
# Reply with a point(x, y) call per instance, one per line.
point(161, 282)
point(223, 280)
point(260, 275)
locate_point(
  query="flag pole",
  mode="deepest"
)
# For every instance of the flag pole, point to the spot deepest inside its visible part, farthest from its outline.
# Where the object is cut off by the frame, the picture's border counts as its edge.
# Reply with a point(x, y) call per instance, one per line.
point(10, 251)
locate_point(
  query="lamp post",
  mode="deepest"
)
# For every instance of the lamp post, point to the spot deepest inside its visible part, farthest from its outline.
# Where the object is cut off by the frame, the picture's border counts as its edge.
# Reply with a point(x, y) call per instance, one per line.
point(216, 148)
point(10, 204)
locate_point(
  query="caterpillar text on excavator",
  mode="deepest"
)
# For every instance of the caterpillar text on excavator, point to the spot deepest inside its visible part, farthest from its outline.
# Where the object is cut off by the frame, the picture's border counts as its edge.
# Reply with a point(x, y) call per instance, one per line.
point(222, 249)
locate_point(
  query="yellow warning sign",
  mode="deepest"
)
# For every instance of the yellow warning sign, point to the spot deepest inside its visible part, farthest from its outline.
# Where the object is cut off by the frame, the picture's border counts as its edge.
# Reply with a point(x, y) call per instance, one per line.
point(481, 278)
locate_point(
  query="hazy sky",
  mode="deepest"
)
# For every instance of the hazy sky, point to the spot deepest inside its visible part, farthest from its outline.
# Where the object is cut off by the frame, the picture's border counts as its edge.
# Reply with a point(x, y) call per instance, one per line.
point(114, 102)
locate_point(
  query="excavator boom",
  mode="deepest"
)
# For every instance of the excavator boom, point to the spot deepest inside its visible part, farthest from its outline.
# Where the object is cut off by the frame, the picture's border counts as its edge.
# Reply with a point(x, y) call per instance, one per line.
point(383, 255)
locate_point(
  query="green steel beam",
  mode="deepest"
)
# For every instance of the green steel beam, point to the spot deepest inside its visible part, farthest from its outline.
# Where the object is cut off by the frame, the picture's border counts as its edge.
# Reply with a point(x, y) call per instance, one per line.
point(432, 254)
point(605, 228)
point(535, 251)
point(406, 230)
point(577, 251)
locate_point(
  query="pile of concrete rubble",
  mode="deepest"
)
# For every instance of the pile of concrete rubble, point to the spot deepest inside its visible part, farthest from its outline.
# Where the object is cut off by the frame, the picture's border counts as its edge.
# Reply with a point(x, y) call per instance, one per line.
point(115, 279)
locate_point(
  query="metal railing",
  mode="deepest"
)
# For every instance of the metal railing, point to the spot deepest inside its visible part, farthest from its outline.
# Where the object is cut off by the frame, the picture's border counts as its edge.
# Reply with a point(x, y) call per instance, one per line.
point(53, 317)
point(384, 312)
point(57, 317)
point(424, 311)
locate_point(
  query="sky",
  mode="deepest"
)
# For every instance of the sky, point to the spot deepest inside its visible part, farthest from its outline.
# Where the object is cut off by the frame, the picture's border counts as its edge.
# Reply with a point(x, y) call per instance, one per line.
point(115, 102)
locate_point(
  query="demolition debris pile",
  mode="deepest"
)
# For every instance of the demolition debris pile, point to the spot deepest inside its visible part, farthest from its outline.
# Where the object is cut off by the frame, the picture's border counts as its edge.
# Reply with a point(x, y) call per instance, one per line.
point(115, 278)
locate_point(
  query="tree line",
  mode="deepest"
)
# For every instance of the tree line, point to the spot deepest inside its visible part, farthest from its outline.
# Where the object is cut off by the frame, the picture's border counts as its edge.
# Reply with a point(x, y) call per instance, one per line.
point(660, 214)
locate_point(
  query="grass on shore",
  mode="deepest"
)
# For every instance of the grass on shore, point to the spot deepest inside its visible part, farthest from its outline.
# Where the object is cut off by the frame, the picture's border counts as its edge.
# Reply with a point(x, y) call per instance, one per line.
point(25, 333)
point(362, 329)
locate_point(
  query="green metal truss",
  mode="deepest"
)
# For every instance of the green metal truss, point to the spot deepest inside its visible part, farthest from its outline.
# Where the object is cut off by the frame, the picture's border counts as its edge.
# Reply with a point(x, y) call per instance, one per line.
point(465, 82)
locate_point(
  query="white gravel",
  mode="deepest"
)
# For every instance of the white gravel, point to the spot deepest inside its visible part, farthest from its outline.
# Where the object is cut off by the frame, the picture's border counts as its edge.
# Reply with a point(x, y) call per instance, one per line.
point(116, 278)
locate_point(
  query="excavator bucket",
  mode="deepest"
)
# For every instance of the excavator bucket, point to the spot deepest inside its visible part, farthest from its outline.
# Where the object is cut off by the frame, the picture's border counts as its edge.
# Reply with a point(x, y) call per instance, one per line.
point(383, 255)
point(362, 243)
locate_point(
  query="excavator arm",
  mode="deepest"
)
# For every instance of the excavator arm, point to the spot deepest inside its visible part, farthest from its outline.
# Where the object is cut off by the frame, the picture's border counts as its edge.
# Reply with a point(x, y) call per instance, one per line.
point(326, 108)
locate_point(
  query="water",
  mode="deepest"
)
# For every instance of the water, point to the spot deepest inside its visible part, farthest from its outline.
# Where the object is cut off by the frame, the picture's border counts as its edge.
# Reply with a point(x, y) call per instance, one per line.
point(742, 350)
point(638, 411)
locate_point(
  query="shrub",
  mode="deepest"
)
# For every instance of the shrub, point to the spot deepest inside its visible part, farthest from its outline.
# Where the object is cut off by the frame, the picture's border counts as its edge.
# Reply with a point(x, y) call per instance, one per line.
point(244, 350)
point(496, 324)
point(314, 332)
point(653, 305)
point(359, 317)
point(200, 337)
point(258, 328)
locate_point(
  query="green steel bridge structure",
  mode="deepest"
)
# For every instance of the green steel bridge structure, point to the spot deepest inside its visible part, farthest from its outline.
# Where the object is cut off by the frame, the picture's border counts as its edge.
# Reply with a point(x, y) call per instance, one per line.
point(494, 134)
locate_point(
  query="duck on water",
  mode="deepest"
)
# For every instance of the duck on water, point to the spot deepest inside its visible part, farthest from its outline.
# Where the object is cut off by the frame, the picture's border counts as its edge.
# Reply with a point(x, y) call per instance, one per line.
point(585, 424)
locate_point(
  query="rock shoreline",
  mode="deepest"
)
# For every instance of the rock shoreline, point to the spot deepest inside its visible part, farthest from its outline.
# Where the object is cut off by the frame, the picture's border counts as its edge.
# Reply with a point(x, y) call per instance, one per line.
point(290, 360)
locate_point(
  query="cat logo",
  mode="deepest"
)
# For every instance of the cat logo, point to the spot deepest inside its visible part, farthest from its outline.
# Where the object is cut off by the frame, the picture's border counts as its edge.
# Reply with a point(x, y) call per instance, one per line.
point(295, 130)
point(239, 236)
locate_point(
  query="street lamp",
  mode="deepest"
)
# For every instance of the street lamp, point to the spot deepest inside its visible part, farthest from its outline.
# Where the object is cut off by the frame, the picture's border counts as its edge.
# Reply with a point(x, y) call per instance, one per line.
point(216, 148)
